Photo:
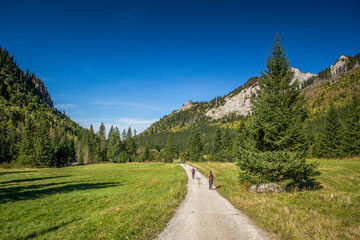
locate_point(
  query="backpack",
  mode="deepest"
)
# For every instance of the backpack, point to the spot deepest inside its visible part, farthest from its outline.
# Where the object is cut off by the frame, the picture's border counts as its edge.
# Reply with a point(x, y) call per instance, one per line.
point(193, 170)
point(211, 177)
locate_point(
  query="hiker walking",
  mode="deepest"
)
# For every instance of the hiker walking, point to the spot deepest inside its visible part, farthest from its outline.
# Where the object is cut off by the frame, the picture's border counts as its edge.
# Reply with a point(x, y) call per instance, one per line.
point(211, 177)
point(193, 170)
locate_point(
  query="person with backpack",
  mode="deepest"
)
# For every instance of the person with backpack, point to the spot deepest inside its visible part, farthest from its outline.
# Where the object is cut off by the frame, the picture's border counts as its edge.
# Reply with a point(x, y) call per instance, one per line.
point(211, 177)
point(193, 170)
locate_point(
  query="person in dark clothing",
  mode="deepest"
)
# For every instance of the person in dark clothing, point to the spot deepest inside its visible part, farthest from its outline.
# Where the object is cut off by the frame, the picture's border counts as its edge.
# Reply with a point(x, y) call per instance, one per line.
point(193, 172)
point(211, 177)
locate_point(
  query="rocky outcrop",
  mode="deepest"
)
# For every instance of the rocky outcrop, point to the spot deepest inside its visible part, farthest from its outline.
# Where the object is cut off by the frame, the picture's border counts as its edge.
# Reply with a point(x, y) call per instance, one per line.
point(240, 103)
point(300, 76)
point(186, 106)
point(339, 66)
point(267, 188)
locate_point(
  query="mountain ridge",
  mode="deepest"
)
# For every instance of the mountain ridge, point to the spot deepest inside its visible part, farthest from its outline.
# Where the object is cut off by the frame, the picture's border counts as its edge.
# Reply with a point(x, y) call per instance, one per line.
point(237, 103)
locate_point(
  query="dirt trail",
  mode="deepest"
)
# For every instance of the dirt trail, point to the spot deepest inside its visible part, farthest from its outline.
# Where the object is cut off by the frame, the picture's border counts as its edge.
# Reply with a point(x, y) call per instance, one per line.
point(204, 214)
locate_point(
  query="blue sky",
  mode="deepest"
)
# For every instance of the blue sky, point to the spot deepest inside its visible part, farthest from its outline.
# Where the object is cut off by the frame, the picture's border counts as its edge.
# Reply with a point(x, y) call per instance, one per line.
point(129, 63)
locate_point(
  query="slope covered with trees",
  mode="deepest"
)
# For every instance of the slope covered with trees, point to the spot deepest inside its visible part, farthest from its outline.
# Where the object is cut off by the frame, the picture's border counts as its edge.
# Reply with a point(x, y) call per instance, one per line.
point(32, 131)
point(317, 94)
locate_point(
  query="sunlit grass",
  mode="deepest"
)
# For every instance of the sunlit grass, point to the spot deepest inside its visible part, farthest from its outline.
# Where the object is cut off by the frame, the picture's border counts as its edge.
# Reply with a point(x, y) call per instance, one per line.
point(105, 201)
point(333, 212)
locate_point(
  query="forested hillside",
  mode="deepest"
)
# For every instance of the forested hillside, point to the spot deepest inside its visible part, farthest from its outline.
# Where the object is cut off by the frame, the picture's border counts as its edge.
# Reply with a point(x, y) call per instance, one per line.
point(337, 86)
point(32, 131)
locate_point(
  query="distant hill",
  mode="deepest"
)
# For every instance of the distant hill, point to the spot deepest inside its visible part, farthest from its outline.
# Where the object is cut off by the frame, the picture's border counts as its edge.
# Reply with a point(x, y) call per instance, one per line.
point(334, 84)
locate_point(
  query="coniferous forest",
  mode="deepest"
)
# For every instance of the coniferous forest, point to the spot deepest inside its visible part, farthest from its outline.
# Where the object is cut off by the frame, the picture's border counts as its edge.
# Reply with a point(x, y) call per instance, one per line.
point(35, 134)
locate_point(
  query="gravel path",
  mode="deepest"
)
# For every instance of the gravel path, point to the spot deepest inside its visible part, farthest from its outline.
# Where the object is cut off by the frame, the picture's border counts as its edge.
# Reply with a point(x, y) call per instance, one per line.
point(204, 215)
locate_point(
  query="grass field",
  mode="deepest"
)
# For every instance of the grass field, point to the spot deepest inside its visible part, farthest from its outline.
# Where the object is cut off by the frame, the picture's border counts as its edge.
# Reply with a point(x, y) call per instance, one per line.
point(333, 212)
point(104, 201)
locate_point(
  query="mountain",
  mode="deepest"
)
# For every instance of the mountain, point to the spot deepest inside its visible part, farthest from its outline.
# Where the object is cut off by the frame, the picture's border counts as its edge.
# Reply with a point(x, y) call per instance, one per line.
point(229, 111)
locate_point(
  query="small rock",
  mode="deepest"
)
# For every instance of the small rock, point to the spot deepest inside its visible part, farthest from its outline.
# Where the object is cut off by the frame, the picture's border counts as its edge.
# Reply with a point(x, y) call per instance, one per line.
point(266, 188)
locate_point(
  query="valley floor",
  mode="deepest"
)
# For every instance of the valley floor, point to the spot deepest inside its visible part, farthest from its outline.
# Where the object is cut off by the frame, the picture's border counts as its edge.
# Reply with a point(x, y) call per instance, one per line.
point(102, 201)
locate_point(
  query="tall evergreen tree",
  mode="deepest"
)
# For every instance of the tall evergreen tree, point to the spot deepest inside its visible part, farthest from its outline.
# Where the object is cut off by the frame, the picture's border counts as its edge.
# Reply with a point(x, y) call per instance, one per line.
point(27, 148)
point(94, 148)
point(278, 111)
point(352, 128)
point(227, 141)
point(241, 136)
point(331, 137)
point(111, 142)
point(170, 150)
point(196, 146)
point(216, 147)
point(277, 150)
point(102, 139)
point(43, 149)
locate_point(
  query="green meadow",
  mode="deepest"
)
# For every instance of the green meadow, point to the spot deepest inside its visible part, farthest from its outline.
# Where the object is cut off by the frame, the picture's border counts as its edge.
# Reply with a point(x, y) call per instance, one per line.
point(101, 201)
point(331, 212)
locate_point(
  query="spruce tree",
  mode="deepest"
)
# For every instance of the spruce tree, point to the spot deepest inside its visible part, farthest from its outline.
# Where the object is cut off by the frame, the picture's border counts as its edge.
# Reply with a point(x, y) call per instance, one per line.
point(241, 136)
point(351, 141)
point(102, 139)
point(43, 149)
point(226, 144)
point(27, 148)
point(196, 147)
point(94, 148)
point(278, 107)
point(169, 149)
point(110, 145)
point(277, 145)
point(216, 147)
point(331, 137)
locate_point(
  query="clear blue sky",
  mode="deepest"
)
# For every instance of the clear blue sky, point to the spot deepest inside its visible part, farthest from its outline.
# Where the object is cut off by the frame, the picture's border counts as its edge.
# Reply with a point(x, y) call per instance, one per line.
point(128, 63)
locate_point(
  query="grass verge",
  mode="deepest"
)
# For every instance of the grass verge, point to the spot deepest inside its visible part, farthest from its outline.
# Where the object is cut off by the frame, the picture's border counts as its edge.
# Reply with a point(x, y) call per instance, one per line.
point(104, 201)
point(333, 212)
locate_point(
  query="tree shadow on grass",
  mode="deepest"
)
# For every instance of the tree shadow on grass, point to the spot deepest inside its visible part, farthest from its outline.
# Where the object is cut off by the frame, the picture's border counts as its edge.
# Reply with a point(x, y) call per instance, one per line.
point(20, 193)
point(12, 172)
point(32, 179)
point(50, 229)
point(310, 185)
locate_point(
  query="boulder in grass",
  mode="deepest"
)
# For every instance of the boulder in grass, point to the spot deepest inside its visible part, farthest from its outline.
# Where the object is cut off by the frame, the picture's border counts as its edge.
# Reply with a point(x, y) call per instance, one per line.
point(267, 188)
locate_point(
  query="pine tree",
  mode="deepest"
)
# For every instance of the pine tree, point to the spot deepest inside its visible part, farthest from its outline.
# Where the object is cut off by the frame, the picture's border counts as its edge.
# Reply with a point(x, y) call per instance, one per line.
point(226, 144)
point(170, 150)
point(44, 152)
point(277, 144)
point(331, 137)
point(111, 142)
point(94, 148)
point(277, 109)
point(102, 139)
point(27, 150)
point(351, 141)
point(196, 147)
point(216, 147)
point(241, 136)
